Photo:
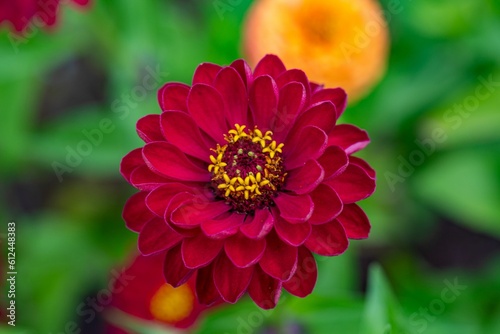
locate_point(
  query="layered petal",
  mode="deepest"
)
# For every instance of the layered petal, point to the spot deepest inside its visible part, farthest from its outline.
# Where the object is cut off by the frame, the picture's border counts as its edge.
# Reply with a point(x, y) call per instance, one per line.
point(173, 96)
point(303, 281)
point(335, 95)
point(334, 161)
point(355, 222)
point(295, 208)
point(232, 89)
point(353, 185)
point(205, 73)
point(135, 212)
point(223, 226)
point(327, 204)
point(292, 234)
point(206, 291)
point(194, 212)
point(269, 65)
point(292, 98)
point(174, 270)
point(280, 259)
point(182, 131)
point(199, 251)
point(130, 162)
point(148, 128)
point(244, 252)
point(349, 137)
point(264, 290)
point(310, 143)
point(231, 281)
point(327, 239)
point(322, 115)
point(263, 100)
point(244, 71)
point(159, 198)
point(157, 236)
point(145, 179)
point(259, 225)
point(303, 180)
point(207, 108)
point(170, 161)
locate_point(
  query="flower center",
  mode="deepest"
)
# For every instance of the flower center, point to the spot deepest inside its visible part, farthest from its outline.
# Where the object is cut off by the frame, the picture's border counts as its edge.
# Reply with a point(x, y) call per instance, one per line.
point(171, 304)
point(248, 170)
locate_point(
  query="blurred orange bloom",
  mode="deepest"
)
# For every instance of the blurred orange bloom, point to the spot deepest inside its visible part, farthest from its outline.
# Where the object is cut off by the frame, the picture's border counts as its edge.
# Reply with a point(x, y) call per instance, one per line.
point(336, 42)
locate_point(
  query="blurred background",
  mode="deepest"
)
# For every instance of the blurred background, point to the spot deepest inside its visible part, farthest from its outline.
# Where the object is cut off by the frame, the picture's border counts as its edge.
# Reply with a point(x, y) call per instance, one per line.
point(432, 262)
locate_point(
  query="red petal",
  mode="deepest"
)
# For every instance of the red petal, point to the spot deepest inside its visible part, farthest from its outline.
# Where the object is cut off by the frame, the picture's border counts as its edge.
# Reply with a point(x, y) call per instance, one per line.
point(135, 212)
point(244, 252)
point(336, 95)
point(353, 185)
point(173, 96)
point(144, 179)
point(269, 65)
point(223, 227)
point(200, 251)
point(303, 281)
point(264, 290)
point(304, 179)
point(355, 222)
point(315, 87)
point(349, 137)
point(158, 199)
point(170, 161)
point(327, 239)
point(232, 89)
point(205, 73)
point(207, 108)
point(231, 282)
point(294, 75)
point(292, 234)
point(196, 213)
point(206, 292)
point(181, 130)
point(148, 128)
point(244, 71)
point(292, 99)
point(280, 259)
point(174, 270)
point(364, 165)
point(130, 162)
point(322, 115)
point(294, 208)
point(259, 225)
point(327, 204)
point(157, 236)
point(334, 161)
point(263, 101)
point(310, 143)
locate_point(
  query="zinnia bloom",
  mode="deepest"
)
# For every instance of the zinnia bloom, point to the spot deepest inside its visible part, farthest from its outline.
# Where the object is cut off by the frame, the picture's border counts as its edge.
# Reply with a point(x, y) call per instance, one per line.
point(336, 42)
point(141, 291)
point(242, 176)
point(21, 12)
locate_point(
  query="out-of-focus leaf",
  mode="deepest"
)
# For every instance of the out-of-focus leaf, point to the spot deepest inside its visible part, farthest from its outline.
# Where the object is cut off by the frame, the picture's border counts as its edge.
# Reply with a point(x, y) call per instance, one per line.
point(382, 312)
point(464, 185)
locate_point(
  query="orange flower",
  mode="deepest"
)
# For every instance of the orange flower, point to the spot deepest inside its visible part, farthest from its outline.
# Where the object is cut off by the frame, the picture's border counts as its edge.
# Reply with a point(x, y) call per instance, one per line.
point(336, 42)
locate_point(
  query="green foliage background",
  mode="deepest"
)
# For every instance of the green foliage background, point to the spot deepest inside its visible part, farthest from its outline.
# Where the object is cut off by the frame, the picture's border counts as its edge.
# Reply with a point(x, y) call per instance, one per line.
point(438, 223)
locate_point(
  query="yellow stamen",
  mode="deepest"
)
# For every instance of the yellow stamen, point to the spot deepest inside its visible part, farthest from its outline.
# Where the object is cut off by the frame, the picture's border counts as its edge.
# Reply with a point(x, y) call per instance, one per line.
point(171, 304)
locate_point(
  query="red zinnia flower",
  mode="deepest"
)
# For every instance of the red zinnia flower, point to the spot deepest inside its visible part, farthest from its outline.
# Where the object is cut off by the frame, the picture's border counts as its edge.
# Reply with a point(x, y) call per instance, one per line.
point(242, 176)
point(141, 291)
point(21, 12)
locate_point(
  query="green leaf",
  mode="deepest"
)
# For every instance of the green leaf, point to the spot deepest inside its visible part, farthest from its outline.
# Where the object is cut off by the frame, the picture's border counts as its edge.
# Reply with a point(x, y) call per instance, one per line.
point(382, 313)
point(465, 186)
